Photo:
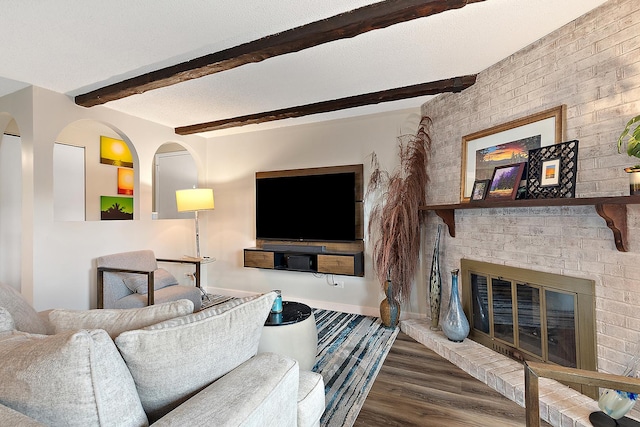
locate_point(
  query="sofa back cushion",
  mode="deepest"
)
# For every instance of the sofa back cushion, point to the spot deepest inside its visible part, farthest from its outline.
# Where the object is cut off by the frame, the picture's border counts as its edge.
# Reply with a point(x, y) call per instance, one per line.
point(173, 360)
point(6, 321)
point(26, 319)
point(116, 321)
point(69, 379)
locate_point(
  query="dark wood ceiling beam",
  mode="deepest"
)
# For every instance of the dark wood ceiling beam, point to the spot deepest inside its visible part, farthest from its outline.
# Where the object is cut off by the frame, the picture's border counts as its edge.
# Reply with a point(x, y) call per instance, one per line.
point(345, 25)
point(455, 84)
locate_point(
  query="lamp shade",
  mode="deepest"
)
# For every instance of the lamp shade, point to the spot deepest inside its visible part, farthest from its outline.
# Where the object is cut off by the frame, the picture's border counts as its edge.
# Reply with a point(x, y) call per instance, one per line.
point(194, 199)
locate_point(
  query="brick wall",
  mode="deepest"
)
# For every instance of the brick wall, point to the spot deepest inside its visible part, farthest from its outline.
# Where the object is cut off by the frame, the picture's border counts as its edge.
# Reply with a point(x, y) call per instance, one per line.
point(592, 66)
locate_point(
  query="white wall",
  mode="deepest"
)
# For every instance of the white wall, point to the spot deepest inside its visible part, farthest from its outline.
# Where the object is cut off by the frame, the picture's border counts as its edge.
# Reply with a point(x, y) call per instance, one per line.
point(231, 166)
point(11, 199)
point(57, 265)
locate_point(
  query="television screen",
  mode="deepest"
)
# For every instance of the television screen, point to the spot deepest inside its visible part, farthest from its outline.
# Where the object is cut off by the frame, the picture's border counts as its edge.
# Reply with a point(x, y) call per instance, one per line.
point(307, 207)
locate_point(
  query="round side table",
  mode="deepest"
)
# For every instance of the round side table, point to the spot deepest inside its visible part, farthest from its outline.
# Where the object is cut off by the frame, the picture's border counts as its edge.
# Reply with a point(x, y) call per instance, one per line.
point(292, 333)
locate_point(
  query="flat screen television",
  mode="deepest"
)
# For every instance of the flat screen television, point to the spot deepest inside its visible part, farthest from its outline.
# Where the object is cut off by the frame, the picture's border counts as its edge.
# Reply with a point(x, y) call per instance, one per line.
point(319, 204)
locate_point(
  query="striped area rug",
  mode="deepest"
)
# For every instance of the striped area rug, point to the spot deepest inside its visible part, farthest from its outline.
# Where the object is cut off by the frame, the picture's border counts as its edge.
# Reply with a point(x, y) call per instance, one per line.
point(351, 351)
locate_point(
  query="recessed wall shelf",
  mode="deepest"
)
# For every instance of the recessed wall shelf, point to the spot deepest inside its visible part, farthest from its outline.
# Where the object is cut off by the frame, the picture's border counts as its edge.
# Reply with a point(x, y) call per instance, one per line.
point(612, 209)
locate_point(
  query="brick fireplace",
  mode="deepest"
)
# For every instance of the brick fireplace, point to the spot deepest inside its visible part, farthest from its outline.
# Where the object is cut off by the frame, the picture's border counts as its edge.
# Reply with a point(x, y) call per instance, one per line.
point(531, 315)
point(591, 66)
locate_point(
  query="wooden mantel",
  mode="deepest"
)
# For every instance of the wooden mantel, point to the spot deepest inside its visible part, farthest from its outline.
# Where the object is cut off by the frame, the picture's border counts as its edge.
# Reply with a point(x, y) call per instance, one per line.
point(612, 209)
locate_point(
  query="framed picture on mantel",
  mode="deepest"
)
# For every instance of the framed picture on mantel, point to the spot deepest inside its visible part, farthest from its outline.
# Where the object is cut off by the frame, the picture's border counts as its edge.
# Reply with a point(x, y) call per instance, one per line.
point(505, 144)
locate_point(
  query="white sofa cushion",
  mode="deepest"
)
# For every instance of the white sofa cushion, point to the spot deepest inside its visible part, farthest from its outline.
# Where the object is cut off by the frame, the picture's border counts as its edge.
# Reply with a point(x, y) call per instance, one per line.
point(311, 399)
point(69, 379)
point(25, 317)
point(138, 282)
point(6, 320)
point(259, 393)
point(173, 360)
point(116, 321)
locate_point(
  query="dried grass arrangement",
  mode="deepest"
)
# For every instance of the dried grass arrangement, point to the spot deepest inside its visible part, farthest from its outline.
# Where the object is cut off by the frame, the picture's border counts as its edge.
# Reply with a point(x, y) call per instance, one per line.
point(395, 220)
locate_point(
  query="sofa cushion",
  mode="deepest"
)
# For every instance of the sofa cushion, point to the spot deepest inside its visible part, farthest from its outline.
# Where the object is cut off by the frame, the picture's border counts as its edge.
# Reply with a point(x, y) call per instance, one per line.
point(138, 282)
point(221, 308)
point(311, 399)
point(116, 321)
point(9, 417)
point(261, 392)
point(195, 350)
point(71, 379)
point(6, 320)
point(25, 317)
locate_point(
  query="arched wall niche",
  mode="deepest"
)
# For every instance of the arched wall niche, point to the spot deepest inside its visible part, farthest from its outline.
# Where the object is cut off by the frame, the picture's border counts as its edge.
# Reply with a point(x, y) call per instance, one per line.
point(11, 206)
point(84, 183)
point(174, 168)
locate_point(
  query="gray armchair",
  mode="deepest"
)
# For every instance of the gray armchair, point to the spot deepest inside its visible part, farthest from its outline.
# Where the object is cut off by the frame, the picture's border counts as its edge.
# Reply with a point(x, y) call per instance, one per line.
point(133, 279)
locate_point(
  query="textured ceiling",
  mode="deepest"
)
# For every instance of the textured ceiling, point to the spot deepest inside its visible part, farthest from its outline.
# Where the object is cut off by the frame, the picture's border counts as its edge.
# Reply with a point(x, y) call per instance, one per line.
point(75, 46)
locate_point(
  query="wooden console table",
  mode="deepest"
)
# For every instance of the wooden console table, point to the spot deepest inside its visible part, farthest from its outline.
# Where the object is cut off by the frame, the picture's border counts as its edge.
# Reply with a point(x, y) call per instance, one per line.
point(612, 209)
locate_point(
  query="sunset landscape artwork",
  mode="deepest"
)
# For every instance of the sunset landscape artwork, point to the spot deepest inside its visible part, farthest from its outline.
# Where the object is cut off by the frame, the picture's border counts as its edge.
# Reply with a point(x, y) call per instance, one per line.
point(505, 181)
point(487, 159)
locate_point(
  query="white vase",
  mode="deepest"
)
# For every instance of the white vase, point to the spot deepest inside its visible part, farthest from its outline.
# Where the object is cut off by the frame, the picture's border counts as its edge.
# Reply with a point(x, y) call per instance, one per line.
point(616, 403)
point(634, 181)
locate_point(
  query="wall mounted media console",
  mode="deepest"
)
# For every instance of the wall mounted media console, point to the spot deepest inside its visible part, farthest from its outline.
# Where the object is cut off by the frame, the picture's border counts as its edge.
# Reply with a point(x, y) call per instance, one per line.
point(302, 259)
point(310, 220)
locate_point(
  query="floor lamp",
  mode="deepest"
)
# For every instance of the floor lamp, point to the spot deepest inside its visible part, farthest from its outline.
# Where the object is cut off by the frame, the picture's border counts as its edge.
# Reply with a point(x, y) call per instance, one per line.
point(194, 200)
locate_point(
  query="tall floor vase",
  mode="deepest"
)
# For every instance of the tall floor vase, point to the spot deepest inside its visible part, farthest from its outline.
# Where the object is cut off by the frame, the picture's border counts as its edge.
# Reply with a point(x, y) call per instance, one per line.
point(389, 307)
point(455, 324)
point(435, 284)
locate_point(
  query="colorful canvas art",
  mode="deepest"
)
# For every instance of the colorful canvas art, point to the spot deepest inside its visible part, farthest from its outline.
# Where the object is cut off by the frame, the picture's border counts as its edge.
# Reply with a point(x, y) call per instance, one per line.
point(114, 208)
point(125, 181)
point(115, 152)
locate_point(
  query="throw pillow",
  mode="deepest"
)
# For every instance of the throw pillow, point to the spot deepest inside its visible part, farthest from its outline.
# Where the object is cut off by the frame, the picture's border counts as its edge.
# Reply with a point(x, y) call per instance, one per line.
point(116, 321)
point(138, 282)
point(69, 379)
point(173, 360)
point(6, 321)
point(24, 316)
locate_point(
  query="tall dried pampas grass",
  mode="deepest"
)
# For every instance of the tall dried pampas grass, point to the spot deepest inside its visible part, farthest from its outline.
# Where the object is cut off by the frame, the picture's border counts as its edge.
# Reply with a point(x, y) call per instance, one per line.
point(394, 219)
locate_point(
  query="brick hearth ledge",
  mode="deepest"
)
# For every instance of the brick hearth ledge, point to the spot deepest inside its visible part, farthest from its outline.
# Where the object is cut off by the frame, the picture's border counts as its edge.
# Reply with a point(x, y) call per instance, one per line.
point(560, 405)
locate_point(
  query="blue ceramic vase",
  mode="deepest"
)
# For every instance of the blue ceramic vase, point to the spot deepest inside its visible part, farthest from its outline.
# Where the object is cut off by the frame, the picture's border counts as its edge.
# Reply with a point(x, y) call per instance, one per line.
point(455, 324)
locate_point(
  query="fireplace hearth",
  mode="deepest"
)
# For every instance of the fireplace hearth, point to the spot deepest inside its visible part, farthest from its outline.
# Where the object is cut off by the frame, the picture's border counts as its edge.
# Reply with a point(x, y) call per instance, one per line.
point(531, 315)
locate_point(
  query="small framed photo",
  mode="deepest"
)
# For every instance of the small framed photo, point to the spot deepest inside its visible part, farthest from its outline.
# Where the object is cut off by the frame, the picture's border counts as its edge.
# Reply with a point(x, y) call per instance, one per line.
point(480, 187)
point(505, 182)
point(550, 172)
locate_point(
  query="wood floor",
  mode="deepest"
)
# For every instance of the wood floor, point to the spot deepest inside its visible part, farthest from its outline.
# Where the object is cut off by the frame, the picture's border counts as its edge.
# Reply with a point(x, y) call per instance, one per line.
point(417, 387)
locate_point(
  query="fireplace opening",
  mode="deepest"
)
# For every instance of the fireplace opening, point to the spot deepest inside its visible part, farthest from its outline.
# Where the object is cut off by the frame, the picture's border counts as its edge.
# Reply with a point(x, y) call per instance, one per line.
point(530, 315)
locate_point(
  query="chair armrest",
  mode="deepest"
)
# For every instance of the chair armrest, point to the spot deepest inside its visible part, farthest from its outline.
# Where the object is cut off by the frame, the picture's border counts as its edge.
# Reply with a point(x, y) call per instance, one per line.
point(197, 262)
point(150, 282)
point(180, 260)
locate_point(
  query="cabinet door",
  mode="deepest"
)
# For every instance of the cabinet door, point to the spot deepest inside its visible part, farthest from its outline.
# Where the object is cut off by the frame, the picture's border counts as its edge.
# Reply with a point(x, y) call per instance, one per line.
point(258, 259)
point(336, 264)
